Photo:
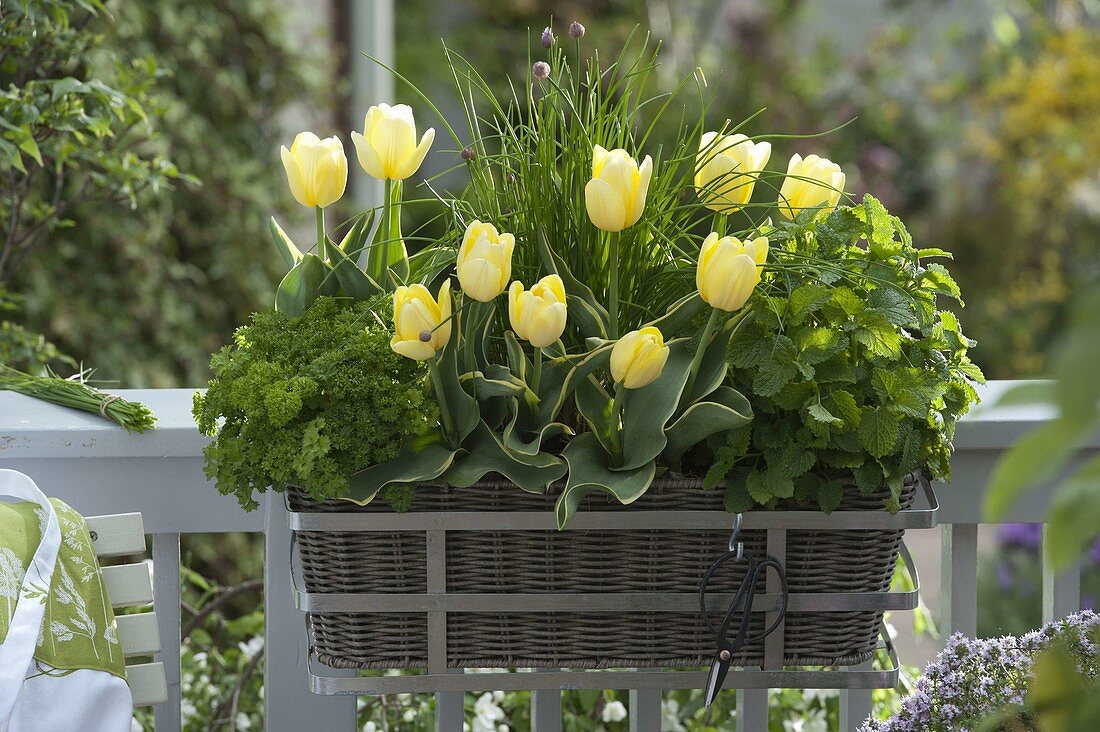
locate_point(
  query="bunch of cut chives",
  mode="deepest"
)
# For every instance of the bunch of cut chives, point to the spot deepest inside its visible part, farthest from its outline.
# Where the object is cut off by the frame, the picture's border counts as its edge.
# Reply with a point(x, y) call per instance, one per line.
point(75, 393)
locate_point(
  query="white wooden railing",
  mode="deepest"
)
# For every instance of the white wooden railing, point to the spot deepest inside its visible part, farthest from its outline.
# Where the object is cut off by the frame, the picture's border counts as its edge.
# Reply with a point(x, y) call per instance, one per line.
point(99, 469)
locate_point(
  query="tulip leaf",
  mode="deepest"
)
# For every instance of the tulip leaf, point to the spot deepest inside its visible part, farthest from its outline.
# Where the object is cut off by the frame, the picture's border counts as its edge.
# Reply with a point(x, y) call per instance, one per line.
point(485, 454)
point(421, 458)
point(461, 408)
point(584, 308)
point(562, 375)
point(646, 410)
point(287, 250)
point(715, 363)
point(517, 359)
point(304, 283)
point(354, 282)
point(387, 259)
point(589, 471)
point(595, 405)
point(727, 410)
point(356, 239)
point(496, 381)
point(521, 450)
point(680, 315)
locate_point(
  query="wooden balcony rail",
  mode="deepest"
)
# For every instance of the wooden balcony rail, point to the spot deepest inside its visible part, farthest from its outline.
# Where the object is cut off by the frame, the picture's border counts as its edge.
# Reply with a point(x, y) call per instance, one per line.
point(99, 469)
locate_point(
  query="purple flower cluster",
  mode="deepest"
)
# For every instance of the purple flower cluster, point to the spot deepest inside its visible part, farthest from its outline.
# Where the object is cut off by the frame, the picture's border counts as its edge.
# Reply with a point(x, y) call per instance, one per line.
point(972, 678)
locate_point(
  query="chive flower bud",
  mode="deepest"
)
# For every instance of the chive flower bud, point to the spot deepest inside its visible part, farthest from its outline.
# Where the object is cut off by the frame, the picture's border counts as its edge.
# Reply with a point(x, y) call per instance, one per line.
point(541, 70)
point(547, 37)
point(576, 30)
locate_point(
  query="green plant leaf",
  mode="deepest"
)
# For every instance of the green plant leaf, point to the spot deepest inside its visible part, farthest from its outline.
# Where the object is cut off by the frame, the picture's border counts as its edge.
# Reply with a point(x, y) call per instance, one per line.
point(647, 410)
point(290, 253)
point(496, 382)
point(1075, 515)
point(680, 315)
point(354, 282)
point(355, 240)
point(595, 404)
point(727, 409)
point(486, 454)
point(421, 458)
point(589, 471)
point(305, 282)
point(1039, 455)
point(878, 431)
point(461, 405)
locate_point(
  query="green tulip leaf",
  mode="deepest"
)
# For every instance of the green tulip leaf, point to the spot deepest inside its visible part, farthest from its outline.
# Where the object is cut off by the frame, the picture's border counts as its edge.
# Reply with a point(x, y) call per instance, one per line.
point(517, 359)
point(421, 458)
point(715, 362)
point(287, 250)
point(562, 374)
point(522, 449)
point(680, 315)
point(354, 282)
point(585, 310)
point(647, 410)
point(496, 381)
point(461, 407)
point(726, 410)
point(485, 454)
point(595, 405)
point(356, 239)
point(589, 471)
point(305, 282)
point(387, 258)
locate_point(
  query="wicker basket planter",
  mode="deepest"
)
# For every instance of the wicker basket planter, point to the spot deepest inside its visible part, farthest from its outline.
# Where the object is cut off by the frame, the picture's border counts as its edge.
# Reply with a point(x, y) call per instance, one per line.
point(499, 587)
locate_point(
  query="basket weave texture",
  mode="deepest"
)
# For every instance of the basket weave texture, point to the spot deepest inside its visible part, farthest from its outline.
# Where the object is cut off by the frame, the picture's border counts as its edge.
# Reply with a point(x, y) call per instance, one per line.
point(648, 560)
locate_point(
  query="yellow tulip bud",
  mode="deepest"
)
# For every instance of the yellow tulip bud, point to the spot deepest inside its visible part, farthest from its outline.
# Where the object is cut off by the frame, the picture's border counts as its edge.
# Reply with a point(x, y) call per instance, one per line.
point(316, 169)
point(615, 197)
point(810, 182)
point(387, 149)
point(484, 261)
point(422, 323)
point(728, 270)
point(538, 315)
point(726, 170)
point(638, 358)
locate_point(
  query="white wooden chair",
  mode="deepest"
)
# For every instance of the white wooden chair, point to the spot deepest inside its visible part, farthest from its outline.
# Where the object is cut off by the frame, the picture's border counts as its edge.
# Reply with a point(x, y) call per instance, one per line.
point(131, 585)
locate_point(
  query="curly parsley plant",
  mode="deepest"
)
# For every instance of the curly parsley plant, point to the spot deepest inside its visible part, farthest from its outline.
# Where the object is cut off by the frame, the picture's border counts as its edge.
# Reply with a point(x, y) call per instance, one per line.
point(308, 401)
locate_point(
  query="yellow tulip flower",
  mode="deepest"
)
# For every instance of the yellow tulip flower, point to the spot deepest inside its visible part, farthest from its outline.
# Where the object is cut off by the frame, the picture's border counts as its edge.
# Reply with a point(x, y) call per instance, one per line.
point(484, 261)
point(638, 358)
point(422, 323)
point(615, 197)
point(728, 270)
point(387, 149)
point(316, 169)
point(538, 315)
point(726, 170)
point(810, 182)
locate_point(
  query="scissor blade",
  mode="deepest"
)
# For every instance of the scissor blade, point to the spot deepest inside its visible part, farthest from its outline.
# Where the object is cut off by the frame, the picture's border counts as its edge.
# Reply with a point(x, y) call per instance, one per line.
point(718, 671)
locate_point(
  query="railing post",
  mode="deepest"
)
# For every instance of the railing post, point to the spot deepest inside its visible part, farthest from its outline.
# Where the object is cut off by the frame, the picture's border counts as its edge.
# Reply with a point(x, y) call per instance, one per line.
point(166, 602)
point(752, 710)
point(959, 579)
point(1061, 590)
point(855, 704)
point(644, 713)
point(288, 701)
point(546, 710)
point(449, 711)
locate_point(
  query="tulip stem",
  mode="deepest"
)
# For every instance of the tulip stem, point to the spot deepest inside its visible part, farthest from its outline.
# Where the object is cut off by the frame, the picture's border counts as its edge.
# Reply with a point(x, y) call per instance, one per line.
point(441, 398)
point(720, 223)
point(321, 249)
point(387, 209)
point(704, 341)
point(613, 286)
point(536, 370)
point(616, 420)
point(469, 332)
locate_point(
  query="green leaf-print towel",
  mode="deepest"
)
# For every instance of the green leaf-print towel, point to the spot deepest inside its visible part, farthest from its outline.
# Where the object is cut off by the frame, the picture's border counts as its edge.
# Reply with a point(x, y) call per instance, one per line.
point(79, 629)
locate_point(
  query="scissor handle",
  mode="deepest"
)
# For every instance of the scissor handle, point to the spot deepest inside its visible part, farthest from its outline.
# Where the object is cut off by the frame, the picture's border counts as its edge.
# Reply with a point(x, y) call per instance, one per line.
point(743, 600)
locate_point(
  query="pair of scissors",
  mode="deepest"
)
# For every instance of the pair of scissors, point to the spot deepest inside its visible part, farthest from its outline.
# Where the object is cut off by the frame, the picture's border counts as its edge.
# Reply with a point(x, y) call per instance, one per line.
point(742, 604)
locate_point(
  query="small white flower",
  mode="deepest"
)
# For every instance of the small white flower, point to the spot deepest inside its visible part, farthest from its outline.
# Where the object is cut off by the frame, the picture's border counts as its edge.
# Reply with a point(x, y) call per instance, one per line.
point(504, 728)
point(243, 722)
point(252, 647)
point(409, 715)
point(135, 726)
point(485, 707)
point(614, 712)
point(187, 710)
point(370, 727)
point(498, 696)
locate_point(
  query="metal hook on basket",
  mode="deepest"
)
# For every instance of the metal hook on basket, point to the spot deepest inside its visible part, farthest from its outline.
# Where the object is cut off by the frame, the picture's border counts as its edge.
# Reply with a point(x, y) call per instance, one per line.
point(735, 545)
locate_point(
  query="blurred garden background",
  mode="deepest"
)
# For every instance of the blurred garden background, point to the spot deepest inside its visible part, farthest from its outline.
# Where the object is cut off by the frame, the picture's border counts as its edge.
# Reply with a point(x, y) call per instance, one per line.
point(139, 165)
